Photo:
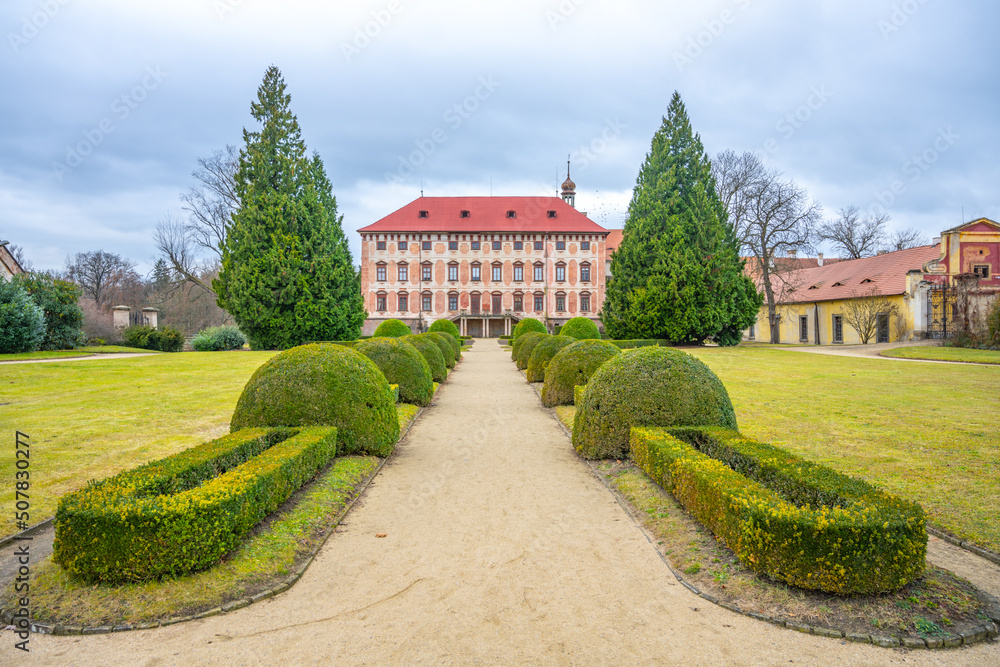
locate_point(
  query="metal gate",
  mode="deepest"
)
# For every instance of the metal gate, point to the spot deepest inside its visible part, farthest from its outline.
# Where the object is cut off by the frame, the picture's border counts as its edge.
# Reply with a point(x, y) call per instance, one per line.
point(940, 311)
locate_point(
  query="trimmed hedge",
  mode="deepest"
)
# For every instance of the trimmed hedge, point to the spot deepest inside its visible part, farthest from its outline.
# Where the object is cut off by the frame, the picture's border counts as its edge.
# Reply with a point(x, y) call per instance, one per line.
point(524, 346)
point(542, 355)
point(222, 338)
point(432, 355)
point(527, 325)
point(392, 329)
point(785, 517)
point(640, 342)
point(165, 339)
point(651, 386)
point(581, 328)
point(572, 366)
point(444, 326)
point(323, 384)
point(578, 392)
point(185, 512)
point(402, 364)
point(446, 344)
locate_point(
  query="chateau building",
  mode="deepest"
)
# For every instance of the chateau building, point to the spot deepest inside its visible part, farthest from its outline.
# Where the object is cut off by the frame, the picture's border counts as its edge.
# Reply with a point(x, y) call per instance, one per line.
point(484, 263)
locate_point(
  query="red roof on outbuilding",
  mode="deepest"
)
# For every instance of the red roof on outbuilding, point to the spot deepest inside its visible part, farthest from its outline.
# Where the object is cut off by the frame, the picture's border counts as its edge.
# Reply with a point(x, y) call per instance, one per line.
point(486, 214)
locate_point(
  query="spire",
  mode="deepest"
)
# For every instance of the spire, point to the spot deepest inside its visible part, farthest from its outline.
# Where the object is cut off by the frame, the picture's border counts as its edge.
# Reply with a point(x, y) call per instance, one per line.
point(569, 188)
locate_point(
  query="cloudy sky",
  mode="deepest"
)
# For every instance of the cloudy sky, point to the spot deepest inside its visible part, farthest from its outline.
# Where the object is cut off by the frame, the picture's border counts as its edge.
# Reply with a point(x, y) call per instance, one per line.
point(110, 102)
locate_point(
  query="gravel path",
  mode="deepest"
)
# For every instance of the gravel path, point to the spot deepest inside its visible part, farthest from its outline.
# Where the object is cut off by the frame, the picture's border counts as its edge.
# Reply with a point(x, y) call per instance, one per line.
point(501, 548)
point(92, 357)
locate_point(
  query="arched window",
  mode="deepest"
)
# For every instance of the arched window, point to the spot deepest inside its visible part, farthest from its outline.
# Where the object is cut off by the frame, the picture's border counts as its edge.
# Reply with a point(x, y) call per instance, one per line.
point(560, 302)
point(380, 271)
point(402, 302)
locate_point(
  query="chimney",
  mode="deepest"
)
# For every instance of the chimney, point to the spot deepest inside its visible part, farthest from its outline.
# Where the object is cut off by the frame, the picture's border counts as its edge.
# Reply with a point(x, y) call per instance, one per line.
point(793, 252)
point(819, 259)
point(936, 240)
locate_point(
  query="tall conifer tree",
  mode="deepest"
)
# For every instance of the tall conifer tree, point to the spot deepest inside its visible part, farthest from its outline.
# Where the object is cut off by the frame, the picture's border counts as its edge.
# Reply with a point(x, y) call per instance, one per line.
point(677, 273)
point(287, 276)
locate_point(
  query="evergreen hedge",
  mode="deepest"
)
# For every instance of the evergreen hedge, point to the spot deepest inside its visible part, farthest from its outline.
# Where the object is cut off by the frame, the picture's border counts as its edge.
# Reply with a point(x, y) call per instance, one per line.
point(185, 512)
point(542, 354)
point(581, 328)
point(402, 364)
point(640, 342)
point(392, 329)
point(217, 339)
point(524, 346)
point(22, 321)
point(432, 354)
point(650, 386)
point(572, 366)
point(59, 300)
point(527, 325)
point(454, 345)
point(323, 384)
point(578, 392)
point(785, 517)
point(445, 326)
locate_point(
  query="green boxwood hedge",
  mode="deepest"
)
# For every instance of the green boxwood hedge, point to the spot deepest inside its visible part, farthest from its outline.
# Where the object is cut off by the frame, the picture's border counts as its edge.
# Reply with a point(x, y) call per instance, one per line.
point(185, 512)
point(402, 364)
point(445, 326)
point(527, 325)
point(542, 355)
point(640, 342)
point(392, 329)
point(578, 392)
point(572, 366)
point(432, 355)
point(785, 517)
point(650, 386)
point(524, 346)
point(447, 344)
point(323, 384)
point(581, 328)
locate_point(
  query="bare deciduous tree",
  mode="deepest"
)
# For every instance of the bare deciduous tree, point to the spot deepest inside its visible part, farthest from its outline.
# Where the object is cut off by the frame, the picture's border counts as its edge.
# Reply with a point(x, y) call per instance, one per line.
point(18, 253)
point(771, 216)
point(104, 276)
point(176, 243)
point(904, 239)
point(854, 236)
point(865, 311)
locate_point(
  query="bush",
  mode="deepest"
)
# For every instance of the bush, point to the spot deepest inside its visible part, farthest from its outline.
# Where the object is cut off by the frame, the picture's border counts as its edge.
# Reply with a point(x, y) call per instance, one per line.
point(185, 512)
point(651, 386)
point(542, 354)
point(571, 366)
point(392, 329)
point(524, 346)
point(578, 392)
point(22, 321)
point(527, 325)
point(451, 348)
point(444, 326)
point(402, 364)
point(215, 339)
point(427, 346)
point(166, 339)
point(785, 517)
point(323, 385)
point(993, 325)
point(640, 342)
point(581, 328)
point(59, 299)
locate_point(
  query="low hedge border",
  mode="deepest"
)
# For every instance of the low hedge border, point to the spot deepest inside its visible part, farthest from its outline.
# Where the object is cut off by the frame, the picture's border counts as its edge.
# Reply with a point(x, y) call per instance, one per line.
point(185, 512)
point(640, 342)
point(784, 517)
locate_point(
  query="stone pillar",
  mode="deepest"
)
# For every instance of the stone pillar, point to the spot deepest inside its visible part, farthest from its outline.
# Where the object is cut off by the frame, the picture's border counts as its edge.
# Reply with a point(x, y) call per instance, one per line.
point(121, 316)
point(151, 316)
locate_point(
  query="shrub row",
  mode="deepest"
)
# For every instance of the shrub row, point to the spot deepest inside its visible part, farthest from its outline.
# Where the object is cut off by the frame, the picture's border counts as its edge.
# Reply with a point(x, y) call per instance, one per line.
point(428, 347)
point(444, 326)
point(578, 391)
point(165, 339)
point(542, 354)
point(392, 329)
point(403, 365)
point(185, 512)
point(640, 342)
point(528, 325)
point(581, 328)
point(215, 339)
point(572, 366)
point(524, 345)
point(784, 517)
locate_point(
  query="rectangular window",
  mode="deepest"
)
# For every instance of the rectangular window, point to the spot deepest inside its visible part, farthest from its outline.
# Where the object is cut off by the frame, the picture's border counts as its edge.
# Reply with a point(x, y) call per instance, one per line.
point(560, 245)
point(380, 245)
point(584, 245)
point(380, 273)
point(475, 245)
point(402, 246)
point(518, 245)
point(497, 274)
point(425, 302)
point(560, 273)
point(981, 271)
point(425, 245)
point(475, 274)
point(518, 303)
point(453, 302)
point(585, 273)
point(560, 303)
point(498, 245)
point(838, 329)
point(403, 303)
point(538, 245)
point(584, 303)
point(518, 274)
point(453, 272)
point(402, 273)
point(750, 334)
point(380, 303)
point(539, 303)
point(803, 329)
point(452, 245)
point(539, 274)
point(425, 273)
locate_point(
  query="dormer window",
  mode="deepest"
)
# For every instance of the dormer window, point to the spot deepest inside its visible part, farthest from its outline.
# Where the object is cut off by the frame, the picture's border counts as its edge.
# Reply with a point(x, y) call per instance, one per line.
point(511, 214)
point(866, 280)
point(423, 214)
point(552, 214)
point(464, 214)
point(838, 284)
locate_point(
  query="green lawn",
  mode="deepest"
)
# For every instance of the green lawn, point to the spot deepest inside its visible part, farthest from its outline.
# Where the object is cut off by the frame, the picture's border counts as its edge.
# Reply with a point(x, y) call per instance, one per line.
point(79, 352)
point(963, 354)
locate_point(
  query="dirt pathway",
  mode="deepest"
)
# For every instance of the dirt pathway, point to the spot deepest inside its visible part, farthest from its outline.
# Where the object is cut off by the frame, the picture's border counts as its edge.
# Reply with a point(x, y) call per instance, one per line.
point(501, 548)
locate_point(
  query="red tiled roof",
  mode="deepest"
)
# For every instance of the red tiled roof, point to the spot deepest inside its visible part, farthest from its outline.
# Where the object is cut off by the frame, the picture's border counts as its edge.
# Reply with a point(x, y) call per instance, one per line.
point(613, 240)
point(486, 214)
point(838, 280)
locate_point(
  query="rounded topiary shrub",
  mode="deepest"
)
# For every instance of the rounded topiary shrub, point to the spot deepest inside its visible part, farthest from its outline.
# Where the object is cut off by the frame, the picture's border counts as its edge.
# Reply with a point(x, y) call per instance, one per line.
point(527, 325)
point(402, 365)
point(323, 384)
point(573, 365)
point(580, 328)
point(432, 354)
point(542, 355)
point(446, 326)
point(392, 329)
point(454, 348)
point(649, 386)
point(525, 346)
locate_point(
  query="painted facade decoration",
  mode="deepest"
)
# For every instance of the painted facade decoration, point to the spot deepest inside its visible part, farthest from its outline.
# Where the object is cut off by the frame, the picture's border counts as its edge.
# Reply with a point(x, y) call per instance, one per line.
point(926, 291)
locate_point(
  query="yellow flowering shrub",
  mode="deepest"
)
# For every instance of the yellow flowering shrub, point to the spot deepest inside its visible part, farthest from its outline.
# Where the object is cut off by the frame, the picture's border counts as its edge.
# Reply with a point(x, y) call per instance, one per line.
point(185, 512)
point(784, 517)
